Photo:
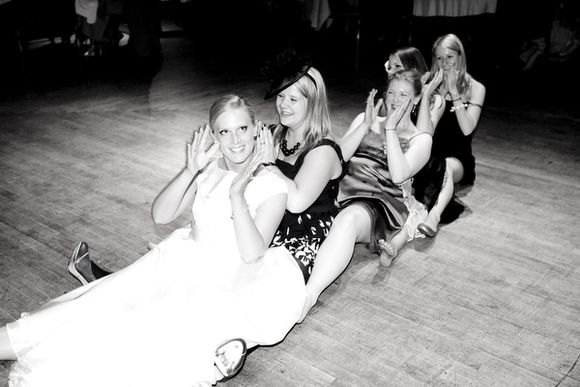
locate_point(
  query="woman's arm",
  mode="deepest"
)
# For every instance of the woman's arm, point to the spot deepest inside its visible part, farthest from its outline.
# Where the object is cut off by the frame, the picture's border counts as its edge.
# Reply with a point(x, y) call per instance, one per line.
point(437, 110)
point(319, 167)
point(430, 107)
point(403, 166)
point(253, 235)
point(174, 198)
point(360, 126)
point(353, 136)
point(177, 195)
point(469, 117)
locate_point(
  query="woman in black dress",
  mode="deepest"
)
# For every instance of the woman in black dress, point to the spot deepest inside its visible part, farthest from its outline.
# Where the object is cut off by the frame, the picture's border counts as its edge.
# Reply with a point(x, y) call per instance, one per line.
point(451, 150)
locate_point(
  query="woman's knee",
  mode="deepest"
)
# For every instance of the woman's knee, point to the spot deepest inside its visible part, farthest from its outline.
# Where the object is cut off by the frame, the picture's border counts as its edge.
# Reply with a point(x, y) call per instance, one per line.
point(355, 220)
point(454, 169)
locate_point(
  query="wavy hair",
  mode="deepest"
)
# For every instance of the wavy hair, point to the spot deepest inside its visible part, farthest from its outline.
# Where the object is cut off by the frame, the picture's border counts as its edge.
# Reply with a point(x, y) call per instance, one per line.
point(411, 58)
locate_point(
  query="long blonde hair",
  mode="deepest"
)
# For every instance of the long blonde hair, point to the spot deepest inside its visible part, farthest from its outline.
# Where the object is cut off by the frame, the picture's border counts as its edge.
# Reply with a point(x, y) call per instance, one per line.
point(318, 126)
point(452, 42)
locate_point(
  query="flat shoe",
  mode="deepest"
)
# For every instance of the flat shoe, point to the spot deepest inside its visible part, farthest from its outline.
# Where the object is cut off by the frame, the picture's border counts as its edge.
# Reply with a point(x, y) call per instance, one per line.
point(426, 230)
point(229, 357)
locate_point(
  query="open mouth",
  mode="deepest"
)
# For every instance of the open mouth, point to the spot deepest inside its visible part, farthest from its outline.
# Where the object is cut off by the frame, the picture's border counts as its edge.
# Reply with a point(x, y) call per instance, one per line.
point(237, 149)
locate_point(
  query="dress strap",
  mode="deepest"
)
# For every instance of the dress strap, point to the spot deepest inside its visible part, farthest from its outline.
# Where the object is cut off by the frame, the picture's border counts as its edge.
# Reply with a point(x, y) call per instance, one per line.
point(334, 145)
point(418, 133)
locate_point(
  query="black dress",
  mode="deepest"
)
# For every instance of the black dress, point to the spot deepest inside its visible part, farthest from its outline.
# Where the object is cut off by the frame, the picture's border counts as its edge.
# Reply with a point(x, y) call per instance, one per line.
point(448, 141)
point(303, 233)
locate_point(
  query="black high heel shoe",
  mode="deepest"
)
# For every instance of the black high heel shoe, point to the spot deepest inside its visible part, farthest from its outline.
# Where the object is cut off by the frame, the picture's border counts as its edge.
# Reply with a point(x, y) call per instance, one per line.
point(82, 268)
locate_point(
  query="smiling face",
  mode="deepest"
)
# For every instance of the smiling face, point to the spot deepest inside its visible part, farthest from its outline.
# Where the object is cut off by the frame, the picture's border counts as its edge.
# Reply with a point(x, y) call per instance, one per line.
point(292, 106)
point(394, 64)
point(234, 132)
point(398, 90)
point(446, 58)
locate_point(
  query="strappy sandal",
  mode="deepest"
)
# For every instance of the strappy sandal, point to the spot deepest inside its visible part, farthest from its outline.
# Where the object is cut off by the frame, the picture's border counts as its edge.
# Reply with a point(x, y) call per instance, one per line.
point(230, 357)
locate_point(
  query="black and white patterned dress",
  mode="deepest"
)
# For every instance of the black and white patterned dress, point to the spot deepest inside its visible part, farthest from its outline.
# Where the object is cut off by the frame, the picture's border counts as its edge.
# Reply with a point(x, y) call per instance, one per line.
point(303, 233)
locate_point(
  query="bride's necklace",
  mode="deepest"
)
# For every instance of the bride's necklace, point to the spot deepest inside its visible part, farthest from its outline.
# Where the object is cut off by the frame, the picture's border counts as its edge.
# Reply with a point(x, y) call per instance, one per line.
point(288, 152)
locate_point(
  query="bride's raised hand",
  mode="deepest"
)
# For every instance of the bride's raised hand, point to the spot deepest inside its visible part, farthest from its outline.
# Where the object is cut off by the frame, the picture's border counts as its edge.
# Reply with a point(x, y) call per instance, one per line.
point(198, 151)
point(241, 181)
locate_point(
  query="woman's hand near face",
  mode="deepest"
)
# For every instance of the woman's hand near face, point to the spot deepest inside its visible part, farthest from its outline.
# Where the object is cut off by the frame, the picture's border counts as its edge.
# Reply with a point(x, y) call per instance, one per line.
point(198, 153)
point(430, 87)
point(179, 193)
point(395, 117)
point(241, 181)
point(361, 125)
point(452, 83)
point(372, 109)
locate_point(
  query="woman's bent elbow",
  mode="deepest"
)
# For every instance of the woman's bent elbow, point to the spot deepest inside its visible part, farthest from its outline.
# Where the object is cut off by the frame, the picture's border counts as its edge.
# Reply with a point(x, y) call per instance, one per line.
point(295, 207)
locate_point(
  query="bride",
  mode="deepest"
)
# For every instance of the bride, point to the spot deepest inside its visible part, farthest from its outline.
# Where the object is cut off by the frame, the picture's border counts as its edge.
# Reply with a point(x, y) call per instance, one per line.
point(158, 321)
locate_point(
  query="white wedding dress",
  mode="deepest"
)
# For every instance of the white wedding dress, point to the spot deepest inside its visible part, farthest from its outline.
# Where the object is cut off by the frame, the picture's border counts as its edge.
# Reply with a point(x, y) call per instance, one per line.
point(158, 321)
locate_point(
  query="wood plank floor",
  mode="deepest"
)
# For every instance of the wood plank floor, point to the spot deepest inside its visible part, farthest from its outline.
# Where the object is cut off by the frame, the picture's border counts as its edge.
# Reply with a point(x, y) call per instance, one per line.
point(493, 300)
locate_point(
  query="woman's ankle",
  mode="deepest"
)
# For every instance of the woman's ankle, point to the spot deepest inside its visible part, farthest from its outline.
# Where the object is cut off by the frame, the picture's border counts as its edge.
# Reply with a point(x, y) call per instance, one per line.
point(433, 219)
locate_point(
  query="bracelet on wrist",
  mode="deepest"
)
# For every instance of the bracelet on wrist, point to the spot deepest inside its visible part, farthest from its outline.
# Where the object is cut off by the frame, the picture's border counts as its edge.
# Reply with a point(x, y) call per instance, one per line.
point(239, 211)
point(456, 99)
point(268, 164)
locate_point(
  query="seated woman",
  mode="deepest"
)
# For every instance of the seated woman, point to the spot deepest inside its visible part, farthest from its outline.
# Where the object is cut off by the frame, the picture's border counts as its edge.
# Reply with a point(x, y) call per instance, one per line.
point(312, 167)
point(427, 111)
point(311, 172)
point(158, 321)
point(375, 193)
point(452, 160)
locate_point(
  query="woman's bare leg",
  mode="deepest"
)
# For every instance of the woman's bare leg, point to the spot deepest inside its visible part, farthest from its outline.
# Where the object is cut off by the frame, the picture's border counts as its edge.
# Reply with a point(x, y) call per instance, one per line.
point(6, 350)
point(351, 225)
point(453, 173)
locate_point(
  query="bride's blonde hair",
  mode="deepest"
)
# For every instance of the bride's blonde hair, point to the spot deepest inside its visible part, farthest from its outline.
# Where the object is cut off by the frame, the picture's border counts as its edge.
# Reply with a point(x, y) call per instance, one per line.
point(229, 102)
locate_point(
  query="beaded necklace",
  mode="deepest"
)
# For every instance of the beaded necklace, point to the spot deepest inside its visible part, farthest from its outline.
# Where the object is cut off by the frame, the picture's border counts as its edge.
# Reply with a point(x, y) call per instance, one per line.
point(288, 152)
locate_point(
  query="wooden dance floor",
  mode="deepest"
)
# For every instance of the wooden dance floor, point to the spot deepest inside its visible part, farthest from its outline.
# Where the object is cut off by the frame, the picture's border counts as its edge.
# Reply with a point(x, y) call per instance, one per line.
point(494, 299)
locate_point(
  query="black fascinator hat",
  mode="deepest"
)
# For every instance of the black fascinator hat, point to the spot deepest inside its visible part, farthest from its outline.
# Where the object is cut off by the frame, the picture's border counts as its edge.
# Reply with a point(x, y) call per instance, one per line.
point(287, 68)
